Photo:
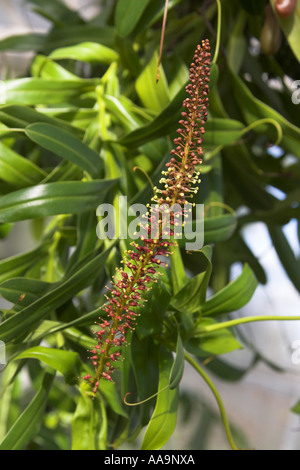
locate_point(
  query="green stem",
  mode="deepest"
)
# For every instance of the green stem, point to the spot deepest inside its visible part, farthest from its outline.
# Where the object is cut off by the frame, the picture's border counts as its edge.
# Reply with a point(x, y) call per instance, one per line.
point(240, 321)
point(214, 390)
point(266, 121)
point(218, 33)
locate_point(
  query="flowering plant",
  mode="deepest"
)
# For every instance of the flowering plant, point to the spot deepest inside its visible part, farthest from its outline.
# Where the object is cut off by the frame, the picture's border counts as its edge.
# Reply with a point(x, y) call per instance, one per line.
point(142, 262)
point(88, 139)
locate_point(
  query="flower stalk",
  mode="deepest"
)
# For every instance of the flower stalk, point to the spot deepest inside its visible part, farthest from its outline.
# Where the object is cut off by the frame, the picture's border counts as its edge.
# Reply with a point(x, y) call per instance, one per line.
point(178, 184)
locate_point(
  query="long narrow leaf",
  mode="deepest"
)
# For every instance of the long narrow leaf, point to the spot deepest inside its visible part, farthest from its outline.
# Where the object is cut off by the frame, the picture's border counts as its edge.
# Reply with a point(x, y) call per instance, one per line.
point(65, 145)
point(29, 422)
point(163, 421)
point(16, 325)
point(53, 198)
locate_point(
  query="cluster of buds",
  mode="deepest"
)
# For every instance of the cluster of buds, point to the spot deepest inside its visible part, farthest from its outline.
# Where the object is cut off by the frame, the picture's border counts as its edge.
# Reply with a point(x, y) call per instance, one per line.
point(140, 265)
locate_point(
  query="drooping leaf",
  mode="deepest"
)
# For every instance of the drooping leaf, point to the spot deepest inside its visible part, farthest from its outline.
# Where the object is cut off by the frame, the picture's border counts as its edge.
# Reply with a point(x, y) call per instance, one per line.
point(65, 362)
point(285, 253)
point(153, 310)
point(254, 109)
point(28, 423)
point(164, 417)
point(65, 145)
point(89, 423)
point(19, 264)
point(211, 344)
point(30, 289)
point(128, 13)
point(144, 357)
point(78, 33)
point(91, 52)
point(61, 292)
point(34, 91)
point(192, 295)
point(53, 198)
point(18, 171)
point(234, 296)
point(154, 96)
point(21, 116)
point(178, 364)
point(23, 42)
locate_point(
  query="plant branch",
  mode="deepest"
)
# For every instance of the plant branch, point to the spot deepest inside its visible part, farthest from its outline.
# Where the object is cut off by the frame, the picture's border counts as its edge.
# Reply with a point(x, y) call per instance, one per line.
point(240, 321)
point(216, 394)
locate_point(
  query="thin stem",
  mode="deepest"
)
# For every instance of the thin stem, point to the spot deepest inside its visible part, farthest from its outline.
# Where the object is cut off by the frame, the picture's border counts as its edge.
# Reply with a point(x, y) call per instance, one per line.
point(240, 321)
point(146, 175)
point(218, 33)
point(214, 390)
point(219, 204)
point(146, 399)
point(264, 121)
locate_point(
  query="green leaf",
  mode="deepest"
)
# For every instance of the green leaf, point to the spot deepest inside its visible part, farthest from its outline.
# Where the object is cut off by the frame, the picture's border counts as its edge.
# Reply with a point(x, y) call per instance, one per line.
point(285, 253)
point(5, 230)
point(75, 34)
point(66, 197)
point(152, 13)
point(178, 275)
point(152, 312)
point(219, 342)
point(219, 131)
point(75, 282)
point(128, 13)
point(18, 171)
point(19, 264)
point(237, 43)
point(296, 408)
point(291, 28)
point(45, 68)
point(13, 288)
point(192, 295)
point(178, 75)
point(23, 42)
point(91, 52)
point(178, 365)
point(65, 362)
point(154, 96)
point(27, 425)
point(214, 75)
point(161, 126)
point(7, 397)
point(110, 394)
point(164, 417)
point(89, 423)
point(254, 7)
point(34, 91)
point(65, 145)
point(55, 11)
point(219, 228)
point(21, 116)
point(234, 296)
point(86, 237)
point(144, 358)
point(228, 372)
point(122, 109)
point(254, 109)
